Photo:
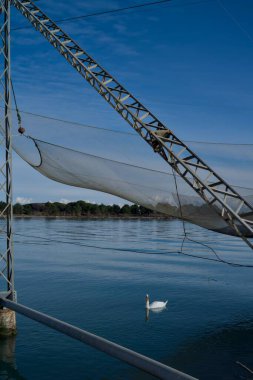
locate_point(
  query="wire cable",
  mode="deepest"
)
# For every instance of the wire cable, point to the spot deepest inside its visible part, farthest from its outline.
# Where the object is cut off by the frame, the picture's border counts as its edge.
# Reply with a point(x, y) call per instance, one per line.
point(113, 11)
point(92, 245)
point(234, 19)
point(218, 258)
point(119, 131)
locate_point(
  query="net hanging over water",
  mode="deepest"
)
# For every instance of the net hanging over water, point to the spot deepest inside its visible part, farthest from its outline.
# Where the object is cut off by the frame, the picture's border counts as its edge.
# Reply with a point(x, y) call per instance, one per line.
point(122, 164)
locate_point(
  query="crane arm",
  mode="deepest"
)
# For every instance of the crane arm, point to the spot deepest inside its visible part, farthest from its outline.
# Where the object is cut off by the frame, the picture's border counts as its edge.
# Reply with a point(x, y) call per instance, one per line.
point(213, 189)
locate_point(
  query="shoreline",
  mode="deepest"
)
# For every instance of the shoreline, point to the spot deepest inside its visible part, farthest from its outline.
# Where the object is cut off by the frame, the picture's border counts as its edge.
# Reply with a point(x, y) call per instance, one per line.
point(90, 217)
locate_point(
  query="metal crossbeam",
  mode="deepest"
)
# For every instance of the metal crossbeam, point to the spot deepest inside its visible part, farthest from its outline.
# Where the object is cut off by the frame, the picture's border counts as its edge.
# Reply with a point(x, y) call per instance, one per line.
point(6, 244)
point(216, 192)
point(144, 363)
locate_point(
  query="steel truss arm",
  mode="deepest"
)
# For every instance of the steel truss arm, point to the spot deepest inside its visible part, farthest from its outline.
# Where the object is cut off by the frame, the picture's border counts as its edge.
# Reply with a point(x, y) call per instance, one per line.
point(209, 185)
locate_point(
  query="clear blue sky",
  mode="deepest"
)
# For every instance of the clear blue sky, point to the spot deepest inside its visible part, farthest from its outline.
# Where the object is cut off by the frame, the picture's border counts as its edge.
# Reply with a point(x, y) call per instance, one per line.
point(189, 61)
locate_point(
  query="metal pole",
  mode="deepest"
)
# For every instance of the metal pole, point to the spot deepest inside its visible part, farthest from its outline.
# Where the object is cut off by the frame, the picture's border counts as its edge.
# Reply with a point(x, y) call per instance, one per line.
point(133, 358)
point(8, 142)
point(6, 209)
point(7, 317)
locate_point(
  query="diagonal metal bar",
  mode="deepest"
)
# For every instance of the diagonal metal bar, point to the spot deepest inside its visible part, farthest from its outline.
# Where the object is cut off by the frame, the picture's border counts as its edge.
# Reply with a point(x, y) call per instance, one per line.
point(144, 363)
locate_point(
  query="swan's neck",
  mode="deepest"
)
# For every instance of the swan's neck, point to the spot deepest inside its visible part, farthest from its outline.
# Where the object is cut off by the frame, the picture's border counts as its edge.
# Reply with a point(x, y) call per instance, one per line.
point(147, 303)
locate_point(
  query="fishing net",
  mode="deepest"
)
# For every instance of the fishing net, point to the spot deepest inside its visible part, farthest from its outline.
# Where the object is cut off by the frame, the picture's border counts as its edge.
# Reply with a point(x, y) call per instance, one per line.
point(121, 164)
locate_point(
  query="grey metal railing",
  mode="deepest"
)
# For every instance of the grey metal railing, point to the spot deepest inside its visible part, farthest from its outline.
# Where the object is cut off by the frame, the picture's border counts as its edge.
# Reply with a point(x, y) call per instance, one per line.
point(153, 367)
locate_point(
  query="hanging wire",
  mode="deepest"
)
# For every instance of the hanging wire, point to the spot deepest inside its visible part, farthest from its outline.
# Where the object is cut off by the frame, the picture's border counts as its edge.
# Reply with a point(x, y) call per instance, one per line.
point(118, 10)
point(94, 246)
point(217, 259)
point(118, 131)
point(186, 237)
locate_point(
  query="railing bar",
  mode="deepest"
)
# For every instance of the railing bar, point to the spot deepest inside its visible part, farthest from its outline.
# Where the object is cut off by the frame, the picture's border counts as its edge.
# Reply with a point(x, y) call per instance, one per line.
point(133, 358)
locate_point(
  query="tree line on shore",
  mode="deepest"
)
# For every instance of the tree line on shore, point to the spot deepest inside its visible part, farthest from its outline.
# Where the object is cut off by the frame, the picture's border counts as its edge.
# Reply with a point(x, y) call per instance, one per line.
point(79, 209)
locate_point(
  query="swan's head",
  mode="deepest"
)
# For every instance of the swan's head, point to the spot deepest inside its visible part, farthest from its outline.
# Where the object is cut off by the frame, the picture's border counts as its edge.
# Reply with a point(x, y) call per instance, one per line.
point(147, 301)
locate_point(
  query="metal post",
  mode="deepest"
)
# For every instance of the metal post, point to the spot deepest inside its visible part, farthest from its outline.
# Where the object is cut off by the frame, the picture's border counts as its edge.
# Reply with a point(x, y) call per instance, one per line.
point(6, 213)
point(7, 317)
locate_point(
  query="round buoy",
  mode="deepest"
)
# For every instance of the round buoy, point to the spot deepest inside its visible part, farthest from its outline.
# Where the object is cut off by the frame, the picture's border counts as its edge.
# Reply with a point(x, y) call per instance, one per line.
point(21, 130)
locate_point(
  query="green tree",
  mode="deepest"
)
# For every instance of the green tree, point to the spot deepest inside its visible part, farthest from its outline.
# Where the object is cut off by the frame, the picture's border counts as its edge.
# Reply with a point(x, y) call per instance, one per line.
point(126, 210)
point(77, 209)
point(51, 209)
point(94, 209)
point(18, 209)
point(2, 206)
point(135, 210)
point(27, 209)
point(116, 209)
point(145, 211)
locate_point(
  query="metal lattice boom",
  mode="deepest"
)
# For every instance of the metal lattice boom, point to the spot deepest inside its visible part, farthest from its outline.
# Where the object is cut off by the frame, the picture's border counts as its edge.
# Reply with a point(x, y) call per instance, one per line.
point(206, 182)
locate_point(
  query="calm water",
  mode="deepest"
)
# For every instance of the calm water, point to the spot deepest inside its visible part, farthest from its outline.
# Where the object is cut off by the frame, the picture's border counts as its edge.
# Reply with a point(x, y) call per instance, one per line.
point(206, 328)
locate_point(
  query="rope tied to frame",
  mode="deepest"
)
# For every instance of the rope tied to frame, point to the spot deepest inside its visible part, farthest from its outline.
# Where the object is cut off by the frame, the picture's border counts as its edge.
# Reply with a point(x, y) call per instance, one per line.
point(21, 129)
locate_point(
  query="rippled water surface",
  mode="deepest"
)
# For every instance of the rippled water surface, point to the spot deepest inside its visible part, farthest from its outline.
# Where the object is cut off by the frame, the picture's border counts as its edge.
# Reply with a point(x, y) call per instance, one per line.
point(95, 274)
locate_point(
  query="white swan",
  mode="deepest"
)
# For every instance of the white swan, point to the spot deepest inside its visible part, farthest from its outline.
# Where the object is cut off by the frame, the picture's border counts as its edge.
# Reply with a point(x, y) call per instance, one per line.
point(156, 304)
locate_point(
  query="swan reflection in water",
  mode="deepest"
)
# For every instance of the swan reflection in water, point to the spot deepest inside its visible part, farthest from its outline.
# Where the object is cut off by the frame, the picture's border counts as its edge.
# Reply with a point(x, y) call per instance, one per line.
point(156, 311)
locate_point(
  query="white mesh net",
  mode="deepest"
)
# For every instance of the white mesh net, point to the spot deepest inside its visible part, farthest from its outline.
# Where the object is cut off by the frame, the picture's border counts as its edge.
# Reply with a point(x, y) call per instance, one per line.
point(123, 165)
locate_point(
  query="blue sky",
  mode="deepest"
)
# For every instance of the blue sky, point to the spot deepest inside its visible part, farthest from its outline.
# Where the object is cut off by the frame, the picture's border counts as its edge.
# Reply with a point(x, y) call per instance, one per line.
point(189, 61)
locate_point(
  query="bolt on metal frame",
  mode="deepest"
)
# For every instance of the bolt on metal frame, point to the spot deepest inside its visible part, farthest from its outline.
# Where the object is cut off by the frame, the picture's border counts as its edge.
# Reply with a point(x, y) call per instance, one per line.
point(217, 193)
point(6, 211)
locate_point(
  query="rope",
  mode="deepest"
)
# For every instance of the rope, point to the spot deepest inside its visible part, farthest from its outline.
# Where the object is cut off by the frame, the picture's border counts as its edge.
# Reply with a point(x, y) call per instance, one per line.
point(20, 128)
